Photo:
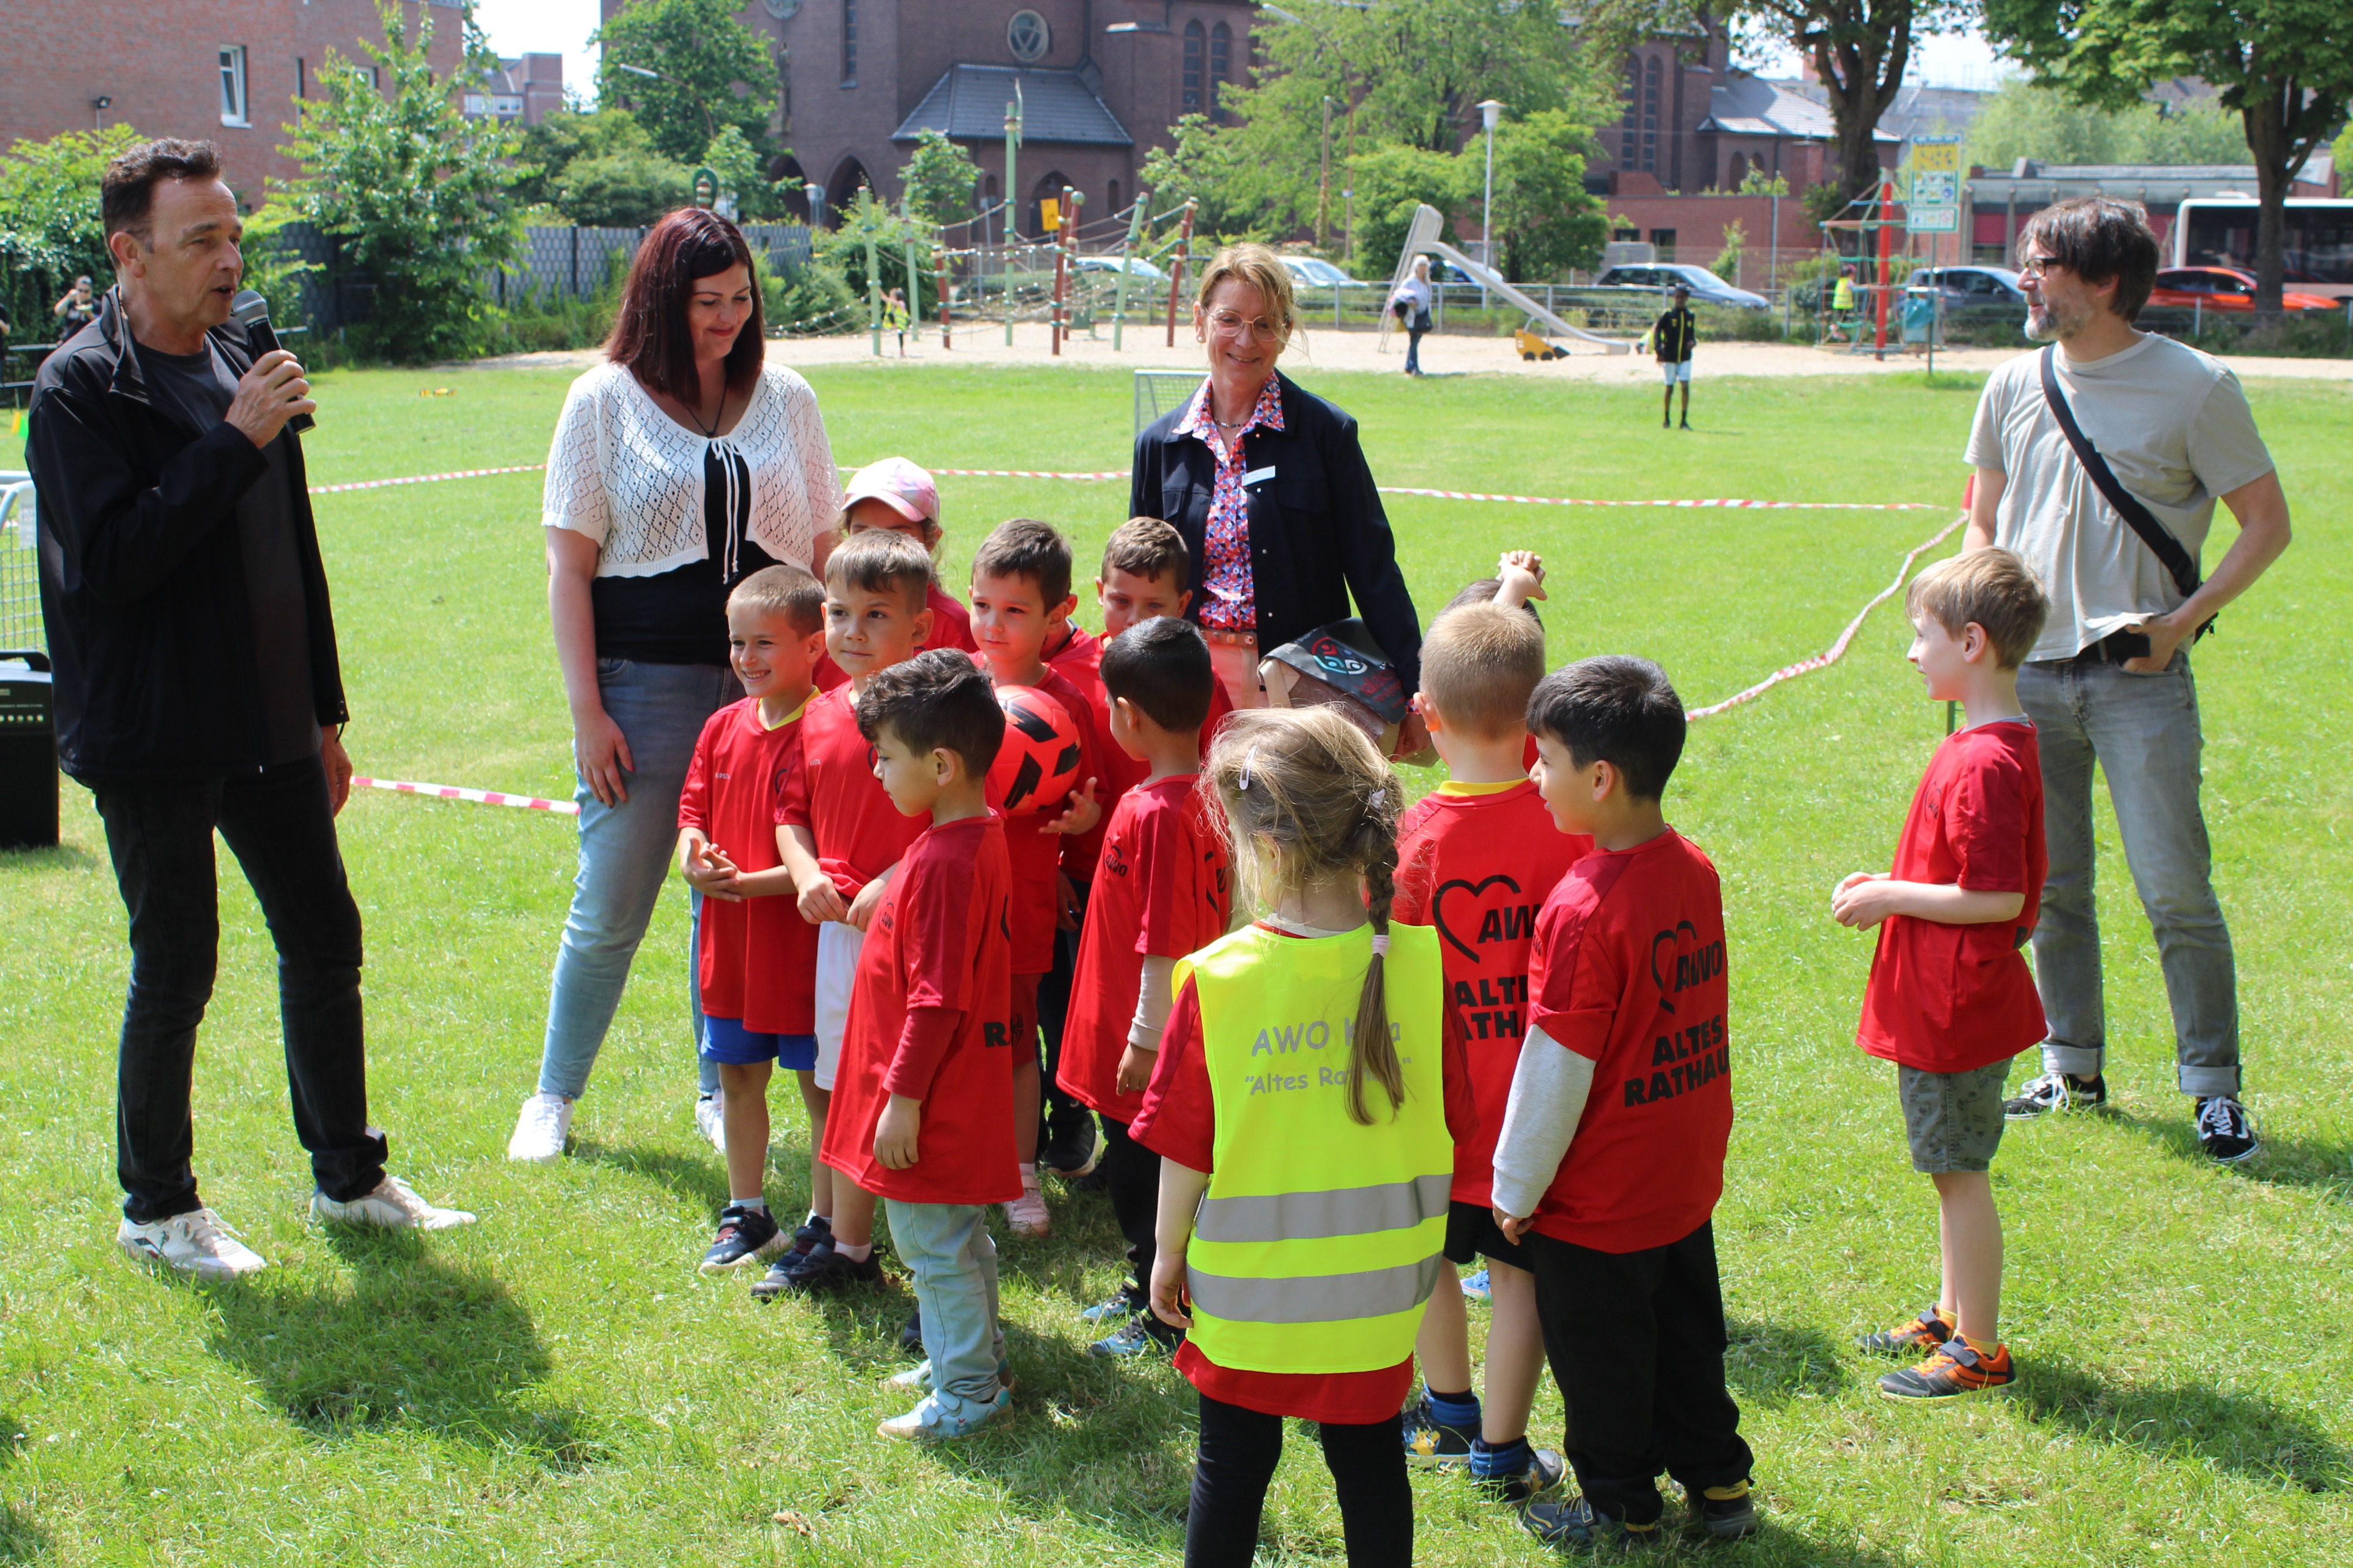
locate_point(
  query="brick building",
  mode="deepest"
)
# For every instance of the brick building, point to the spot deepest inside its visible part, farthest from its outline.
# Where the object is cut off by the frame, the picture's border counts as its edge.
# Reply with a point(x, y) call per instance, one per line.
point(225, 71)
point(522, 90)
point(1101, 82)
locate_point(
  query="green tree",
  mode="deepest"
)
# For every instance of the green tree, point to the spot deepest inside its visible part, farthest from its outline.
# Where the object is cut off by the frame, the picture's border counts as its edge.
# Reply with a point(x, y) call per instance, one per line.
point(686, 68)
point(599, 170)
point(940, 179)
point(2025, 118)
point(417, 194)
point(1236, 198)
point(1392, 179)
point(49, 227)
point(742, 174)
point(2284, 67)
point(1545, 222)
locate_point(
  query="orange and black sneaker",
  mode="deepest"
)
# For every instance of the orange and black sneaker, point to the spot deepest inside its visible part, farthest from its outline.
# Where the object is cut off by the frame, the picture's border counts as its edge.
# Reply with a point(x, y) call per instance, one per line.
point(1954, 1372)
point(1926, 1331)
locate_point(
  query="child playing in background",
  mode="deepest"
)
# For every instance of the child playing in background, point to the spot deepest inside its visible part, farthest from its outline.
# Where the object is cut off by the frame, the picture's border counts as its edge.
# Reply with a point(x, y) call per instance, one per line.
point(1476, 859)
point(1950, 999)
point(924, 1114)
point(1309, 1086)
point(1611, 1157)
point(841, 838)
point(757, 962)
point(894, 494)
point(1020, 595)
point(1162, 890)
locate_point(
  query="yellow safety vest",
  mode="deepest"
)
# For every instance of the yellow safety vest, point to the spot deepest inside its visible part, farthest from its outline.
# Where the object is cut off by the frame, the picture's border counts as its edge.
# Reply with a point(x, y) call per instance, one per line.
point(1317, 1243)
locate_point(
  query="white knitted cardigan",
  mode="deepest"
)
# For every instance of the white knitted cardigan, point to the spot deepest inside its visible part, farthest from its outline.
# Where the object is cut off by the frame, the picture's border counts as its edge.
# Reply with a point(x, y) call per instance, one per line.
point(631, 477)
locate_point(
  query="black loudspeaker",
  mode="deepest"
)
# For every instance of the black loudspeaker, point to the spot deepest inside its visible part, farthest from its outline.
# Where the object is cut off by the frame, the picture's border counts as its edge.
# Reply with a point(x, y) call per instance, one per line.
point(28, 752)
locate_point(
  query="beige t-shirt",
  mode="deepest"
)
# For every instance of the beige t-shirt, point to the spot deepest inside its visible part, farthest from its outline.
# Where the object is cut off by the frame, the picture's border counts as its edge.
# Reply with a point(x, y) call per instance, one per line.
point(2175, 427)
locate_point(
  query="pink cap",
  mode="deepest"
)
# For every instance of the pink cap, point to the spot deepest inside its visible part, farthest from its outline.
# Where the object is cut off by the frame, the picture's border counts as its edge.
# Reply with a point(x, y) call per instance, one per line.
point(909, 489)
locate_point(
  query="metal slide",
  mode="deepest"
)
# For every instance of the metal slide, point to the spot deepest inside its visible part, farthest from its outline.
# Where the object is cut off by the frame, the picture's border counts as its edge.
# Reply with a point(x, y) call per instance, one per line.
point(1422, 236)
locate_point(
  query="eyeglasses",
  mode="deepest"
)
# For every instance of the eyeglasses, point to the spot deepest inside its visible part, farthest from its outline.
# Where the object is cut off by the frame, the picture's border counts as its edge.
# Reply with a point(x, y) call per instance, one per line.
point(1232, 324)
point(2038, 266)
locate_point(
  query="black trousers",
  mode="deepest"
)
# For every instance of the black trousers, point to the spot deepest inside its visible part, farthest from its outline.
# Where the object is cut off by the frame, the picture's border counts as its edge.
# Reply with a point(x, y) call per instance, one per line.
point(1132, 1174)
point(1060, 1113)
point(281, 829)
point(1239, 1449)
point(1636, 1342)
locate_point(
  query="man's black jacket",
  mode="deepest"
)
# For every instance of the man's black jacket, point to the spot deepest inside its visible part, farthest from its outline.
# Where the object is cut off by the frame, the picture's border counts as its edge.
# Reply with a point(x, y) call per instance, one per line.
point(1317, 534)
point(142, 569)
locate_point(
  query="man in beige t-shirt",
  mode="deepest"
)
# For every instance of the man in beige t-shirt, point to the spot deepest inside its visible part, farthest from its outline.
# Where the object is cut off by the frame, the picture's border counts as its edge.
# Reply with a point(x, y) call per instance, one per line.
point(2109, 682)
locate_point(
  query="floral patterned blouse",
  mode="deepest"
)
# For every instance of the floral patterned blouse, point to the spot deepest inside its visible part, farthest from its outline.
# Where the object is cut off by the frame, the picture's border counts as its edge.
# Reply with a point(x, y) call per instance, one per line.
point(1230, 603)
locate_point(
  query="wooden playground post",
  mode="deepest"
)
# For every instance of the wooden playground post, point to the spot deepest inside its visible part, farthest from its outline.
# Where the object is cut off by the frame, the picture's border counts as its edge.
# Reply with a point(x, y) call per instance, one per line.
point(1176, 278)
point(1886, 240)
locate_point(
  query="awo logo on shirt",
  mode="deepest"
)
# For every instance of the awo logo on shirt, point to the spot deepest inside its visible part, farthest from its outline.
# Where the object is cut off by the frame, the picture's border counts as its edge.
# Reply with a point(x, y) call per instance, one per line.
point(1486, 913)
point(1696, 1053)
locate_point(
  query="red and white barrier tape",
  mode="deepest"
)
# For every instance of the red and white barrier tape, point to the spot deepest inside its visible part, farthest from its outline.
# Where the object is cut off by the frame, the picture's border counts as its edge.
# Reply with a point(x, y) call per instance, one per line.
point(480, 796)
point(424, 479)
point(1837, 650)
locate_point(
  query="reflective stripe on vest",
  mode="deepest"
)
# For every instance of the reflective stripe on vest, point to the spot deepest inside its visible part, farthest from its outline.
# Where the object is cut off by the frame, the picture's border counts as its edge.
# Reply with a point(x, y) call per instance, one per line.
point(1316, 1244)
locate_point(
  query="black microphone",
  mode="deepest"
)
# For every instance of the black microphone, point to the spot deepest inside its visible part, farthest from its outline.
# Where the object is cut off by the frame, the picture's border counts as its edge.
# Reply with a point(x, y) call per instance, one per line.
point(248, 309)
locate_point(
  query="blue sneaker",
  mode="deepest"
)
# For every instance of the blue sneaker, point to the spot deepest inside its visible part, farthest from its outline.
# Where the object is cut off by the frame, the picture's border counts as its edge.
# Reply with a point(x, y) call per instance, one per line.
point(1429, 1441)
point(746, 1237)
point(1140, 1335)
point(1577, 1522)
point(1117, 1309)
point(931, 1421)
point(1475, 1287)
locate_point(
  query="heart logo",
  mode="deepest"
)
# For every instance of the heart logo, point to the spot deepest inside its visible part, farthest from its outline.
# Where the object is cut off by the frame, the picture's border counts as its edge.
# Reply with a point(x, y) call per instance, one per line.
point(1438, 909)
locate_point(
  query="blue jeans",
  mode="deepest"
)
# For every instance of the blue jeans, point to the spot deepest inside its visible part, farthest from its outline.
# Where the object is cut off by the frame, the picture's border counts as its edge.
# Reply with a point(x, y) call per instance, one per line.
point(2142, 731)
point(949, 1249)
point(625, 855)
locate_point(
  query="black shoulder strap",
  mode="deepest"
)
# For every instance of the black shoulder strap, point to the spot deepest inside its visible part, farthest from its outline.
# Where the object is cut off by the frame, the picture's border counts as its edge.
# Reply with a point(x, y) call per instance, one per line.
point(2162, 544)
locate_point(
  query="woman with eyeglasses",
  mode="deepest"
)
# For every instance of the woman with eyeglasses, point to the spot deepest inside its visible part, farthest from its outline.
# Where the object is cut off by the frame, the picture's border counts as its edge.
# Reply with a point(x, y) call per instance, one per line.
point(1268, 485)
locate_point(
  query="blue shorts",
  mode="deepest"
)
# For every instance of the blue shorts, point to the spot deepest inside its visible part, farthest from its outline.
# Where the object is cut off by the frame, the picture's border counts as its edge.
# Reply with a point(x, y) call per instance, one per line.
point(727, 1040)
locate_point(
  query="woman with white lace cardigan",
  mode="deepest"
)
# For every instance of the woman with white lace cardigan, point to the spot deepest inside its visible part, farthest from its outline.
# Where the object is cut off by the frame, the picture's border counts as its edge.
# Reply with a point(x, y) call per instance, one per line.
point(681, 467)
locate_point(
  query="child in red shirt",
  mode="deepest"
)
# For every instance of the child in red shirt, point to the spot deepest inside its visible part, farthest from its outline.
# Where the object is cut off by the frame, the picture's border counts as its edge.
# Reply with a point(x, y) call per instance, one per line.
point(1144, 570)
point(1345, 1123)
point(924, 1111)
point(758, 959)
point(1950, 999)
point(841, 838)
point(1021, 594)
point(898, 495)
point(1163, 890)
point(1476, 859)
point(1611, 1157)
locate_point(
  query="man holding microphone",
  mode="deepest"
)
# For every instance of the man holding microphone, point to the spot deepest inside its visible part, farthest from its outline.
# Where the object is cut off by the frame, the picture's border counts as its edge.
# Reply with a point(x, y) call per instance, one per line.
point(197, 688)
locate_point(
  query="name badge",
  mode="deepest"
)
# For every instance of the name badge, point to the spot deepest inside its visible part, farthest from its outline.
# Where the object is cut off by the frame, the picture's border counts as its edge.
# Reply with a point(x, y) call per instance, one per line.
point(1255, 474)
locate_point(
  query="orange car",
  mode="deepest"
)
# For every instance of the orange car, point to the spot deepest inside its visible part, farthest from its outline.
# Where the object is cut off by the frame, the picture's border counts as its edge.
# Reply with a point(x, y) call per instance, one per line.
point(2224, 288)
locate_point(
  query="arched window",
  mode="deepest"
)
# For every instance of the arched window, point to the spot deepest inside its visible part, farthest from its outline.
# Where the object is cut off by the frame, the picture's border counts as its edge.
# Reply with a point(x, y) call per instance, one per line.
point(1190, 100)
point(1222, 49)
point(1738, 175)
point(1629, 142)
point(1114, 207)
point(1651, 115)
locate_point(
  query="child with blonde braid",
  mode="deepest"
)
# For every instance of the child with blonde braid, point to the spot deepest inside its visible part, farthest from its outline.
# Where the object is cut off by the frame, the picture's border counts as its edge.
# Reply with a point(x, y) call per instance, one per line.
point(1306, 1102)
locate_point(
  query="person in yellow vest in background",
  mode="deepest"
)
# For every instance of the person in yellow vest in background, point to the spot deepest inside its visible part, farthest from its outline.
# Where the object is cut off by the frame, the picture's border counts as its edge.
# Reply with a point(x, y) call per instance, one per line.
point(895, 317)
point(1306, 1092)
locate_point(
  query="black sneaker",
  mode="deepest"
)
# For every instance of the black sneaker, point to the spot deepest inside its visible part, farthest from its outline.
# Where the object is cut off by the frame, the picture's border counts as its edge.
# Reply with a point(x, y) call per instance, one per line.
point(1926, 1331)
point(813, 1232)
point(1142, 1336)
point(830, 1267)
point(2056, 1091)
point(777, 1282)
point(2225, 1130)
point(910, 1336)
point(1577, 1522)
point(1727, 1513)
point(1429, 1441)
point(1070, 1148)
point(1546, 1470)
point(745, 1236)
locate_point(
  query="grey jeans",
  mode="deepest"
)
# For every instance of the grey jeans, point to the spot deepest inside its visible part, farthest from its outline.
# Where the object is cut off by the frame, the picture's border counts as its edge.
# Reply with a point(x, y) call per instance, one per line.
point(949, 1249)
point(2142, 733)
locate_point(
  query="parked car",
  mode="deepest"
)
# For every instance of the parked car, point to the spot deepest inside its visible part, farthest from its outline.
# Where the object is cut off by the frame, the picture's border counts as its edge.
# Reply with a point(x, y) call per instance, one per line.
point(1314, 272)
point(1705, 286)
point(2224, 288)
point(1136, 266)
point(1965, 286)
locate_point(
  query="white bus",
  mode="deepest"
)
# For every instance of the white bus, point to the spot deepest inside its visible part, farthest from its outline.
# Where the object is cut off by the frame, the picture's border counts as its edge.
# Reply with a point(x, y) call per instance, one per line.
point(2316, 250)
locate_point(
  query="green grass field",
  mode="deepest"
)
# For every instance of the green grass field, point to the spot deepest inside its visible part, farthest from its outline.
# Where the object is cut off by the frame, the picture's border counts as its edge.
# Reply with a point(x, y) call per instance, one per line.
point(556, 1384)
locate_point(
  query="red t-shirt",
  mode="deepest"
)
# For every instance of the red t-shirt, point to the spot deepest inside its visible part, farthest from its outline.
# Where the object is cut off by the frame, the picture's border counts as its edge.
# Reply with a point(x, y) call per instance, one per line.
point(937, 940)
point(1628, 971)
point(834, 793)
point(1037, 855)
point(1162, 890)
point(1179, 1122)
point(1478, 866)
point(757, 961)
point(951, 627)
point(1953, 998)
point(1081, 659)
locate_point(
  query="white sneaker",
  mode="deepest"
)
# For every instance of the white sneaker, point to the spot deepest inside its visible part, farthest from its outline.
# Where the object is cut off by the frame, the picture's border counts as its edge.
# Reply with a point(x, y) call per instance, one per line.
point(710, 1117)
point(1027, 1213)
point(541, 1130)
point(394, 1204)
point(198, 1244)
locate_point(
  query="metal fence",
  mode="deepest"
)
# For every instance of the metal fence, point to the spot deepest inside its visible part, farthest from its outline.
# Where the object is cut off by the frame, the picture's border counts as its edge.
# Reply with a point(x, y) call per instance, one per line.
point(573, 263)
point(20, 576)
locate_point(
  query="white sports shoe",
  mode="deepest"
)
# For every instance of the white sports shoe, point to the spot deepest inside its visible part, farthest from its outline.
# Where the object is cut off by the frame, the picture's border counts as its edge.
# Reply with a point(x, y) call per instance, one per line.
point(541, 1130)
point(198, 1244)
point(394, 1204)
point(711, 1118)
point(1027, 1213)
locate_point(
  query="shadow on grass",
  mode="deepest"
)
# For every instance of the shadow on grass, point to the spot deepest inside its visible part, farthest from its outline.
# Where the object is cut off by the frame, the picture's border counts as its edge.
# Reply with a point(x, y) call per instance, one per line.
point(2244, 1433)
point(52, 858)
point(21, 1541)
point(413, 1341)
point(1769, 1364)
point(2281, 1162)
point(699, 1178)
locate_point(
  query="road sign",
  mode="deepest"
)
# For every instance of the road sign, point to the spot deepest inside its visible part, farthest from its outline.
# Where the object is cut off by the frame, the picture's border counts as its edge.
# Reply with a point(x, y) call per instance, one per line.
point(1933, 206)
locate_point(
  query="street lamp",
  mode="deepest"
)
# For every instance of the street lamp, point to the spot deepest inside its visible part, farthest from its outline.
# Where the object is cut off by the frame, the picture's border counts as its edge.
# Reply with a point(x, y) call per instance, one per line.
point(1490, 110)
